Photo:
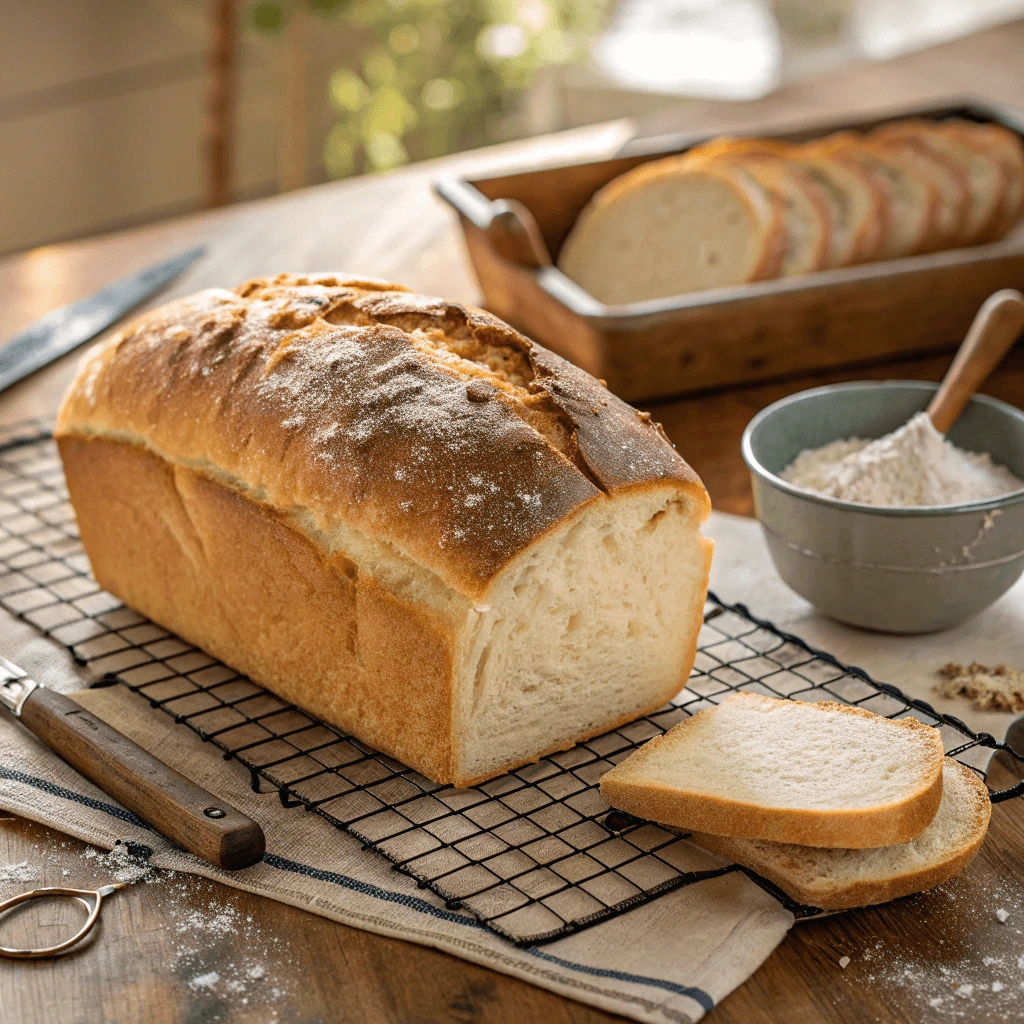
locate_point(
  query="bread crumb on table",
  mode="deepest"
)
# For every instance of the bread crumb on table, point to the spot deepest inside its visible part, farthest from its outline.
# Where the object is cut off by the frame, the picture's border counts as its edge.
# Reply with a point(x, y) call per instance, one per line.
point(1002, 915)
point(843, 961)
point(989, 689)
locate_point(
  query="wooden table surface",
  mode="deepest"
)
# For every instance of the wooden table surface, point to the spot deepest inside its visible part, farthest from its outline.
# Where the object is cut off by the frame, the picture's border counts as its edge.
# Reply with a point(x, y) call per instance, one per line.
point(941, 954)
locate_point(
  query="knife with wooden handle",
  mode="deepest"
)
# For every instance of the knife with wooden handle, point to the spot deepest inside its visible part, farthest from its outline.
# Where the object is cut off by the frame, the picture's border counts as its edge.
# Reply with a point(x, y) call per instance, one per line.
point(180, 810)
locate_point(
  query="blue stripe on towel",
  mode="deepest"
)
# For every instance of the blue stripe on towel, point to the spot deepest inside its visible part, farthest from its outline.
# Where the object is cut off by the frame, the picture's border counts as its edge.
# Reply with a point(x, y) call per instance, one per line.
point(54, 790)
point(414, 903)
point(411, 902)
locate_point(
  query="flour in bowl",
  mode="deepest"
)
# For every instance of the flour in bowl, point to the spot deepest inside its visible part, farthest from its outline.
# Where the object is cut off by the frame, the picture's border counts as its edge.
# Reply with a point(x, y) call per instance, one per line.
point(914, 465)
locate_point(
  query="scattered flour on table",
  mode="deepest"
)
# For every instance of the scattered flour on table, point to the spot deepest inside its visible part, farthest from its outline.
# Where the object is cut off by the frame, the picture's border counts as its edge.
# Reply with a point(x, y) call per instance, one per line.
point(23, 872)
point(206, 929)
point(974, 973)
point(122, 864)
point(914, 465)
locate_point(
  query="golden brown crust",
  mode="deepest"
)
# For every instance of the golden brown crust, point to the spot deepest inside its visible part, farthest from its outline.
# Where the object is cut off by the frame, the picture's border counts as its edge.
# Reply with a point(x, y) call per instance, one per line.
point(218, 568)
point(432, 426)
point(848, 828)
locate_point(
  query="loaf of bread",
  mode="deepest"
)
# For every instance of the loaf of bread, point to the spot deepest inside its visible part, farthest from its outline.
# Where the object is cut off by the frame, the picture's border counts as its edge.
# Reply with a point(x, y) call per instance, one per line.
point(395, 512)
point(692, 221)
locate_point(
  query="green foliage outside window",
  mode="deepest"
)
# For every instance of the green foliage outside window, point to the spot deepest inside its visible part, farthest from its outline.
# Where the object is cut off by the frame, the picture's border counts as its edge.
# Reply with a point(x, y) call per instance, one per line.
point(437, 76)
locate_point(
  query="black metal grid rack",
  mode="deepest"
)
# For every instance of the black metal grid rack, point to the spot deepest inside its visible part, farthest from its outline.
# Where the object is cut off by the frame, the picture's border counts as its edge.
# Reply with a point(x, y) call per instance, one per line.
point(535, 854)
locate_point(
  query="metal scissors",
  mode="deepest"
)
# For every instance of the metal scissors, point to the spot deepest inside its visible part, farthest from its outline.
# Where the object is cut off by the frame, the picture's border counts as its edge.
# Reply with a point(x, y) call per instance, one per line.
point(91, 899)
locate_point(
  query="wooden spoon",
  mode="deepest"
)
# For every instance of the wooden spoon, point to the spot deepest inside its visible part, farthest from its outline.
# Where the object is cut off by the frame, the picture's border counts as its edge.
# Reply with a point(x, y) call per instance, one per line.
point(996, 327)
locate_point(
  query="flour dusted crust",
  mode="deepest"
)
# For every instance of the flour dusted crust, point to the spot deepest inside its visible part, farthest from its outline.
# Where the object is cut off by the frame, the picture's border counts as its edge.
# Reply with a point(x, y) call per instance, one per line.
point(344, 393)
point(393, 511)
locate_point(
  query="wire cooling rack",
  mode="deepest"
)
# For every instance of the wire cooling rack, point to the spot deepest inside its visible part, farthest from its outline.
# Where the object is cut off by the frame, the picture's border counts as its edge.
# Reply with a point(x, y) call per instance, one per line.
point(535, 854)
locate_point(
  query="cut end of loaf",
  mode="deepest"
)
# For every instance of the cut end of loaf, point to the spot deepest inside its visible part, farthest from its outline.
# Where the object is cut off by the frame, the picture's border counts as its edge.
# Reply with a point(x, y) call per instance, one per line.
point(594, 627)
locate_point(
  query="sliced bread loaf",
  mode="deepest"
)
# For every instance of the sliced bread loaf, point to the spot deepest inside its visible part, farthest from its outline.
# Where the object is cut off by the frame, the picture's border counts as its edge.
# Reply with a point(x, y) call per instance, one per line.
point(840, 879)
point(815, 774)
point(675, 226)
point(805, 214)
point(852, 201)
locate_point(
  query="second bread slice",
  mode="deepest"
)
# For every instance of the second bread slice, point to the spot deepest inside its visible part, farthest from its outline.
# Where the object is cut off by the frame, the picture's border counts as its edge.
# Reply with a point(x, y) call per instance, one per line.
point(841, 879)
point(824, 774)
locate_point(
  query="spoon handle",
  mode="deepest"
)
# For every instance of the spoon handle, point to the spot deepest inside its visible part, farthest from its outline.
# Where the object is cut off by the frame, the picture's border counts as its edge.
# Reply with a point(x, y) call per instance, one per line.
point(994, 330)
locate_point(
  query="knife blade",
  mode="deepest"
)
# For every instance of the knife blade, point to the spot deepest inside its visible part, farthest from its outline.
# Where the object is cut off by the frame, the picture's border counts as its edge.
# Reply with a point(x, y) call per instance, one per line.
point(184, 812)
point(64, 329)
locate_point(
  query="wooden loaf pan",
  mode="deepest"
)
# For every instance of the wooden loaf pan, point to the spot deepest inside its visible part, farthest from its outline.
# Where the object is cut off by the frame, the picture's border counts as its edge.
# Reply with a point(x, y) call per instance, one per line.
point(724, 336)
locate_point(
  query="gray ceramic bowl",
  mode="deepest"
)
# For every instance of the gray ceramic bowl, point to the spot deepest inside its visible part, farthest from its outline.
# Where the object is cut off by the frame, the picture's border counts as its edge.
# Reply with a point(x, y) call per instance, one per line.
point(898, 570)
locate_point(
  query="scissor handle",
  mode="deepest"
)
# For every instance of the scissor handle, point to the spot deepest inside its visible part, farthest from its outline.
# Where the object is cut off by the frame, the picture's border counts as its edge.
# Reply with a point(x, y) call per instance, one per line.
point(92, 900)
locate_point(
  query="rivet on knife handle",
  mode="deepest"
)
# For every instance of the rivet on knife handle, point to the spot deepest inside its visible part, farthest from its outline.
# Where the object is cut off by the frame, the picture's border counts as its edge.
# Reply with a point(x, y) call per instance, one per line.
point(185, 813)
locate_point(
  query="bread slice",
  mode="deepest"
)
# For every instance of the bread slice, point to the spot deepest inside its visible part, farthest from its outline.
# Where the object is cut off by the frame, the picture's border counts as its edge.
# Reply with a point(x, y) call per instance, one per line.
point(910, 199)
point(815, 774)
point(806, 218)
point(1007, 149)
point(985, 176)
point(805, 213)
point(674, 226)
point(948, 178)
point(856, 204)
point(852, 200)
point(841, 879)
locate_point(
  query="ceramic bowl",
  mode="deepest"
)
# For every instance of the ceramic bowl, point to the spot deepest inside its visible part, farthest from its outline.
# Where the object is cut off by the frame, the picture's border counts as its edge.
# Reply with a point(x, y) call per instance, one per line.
point(893, 569)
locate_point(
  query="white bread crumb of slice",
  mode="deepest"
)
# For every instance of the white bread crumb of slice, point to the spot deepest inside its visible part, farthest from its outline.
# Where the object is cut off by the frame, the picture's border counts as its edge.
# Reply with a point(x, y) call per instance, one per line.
point(823, 774)
point(842, 879)
point(1007, 149)
point(672, 227)
point(908, 200)
point(845, 201)
point(914, 201)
